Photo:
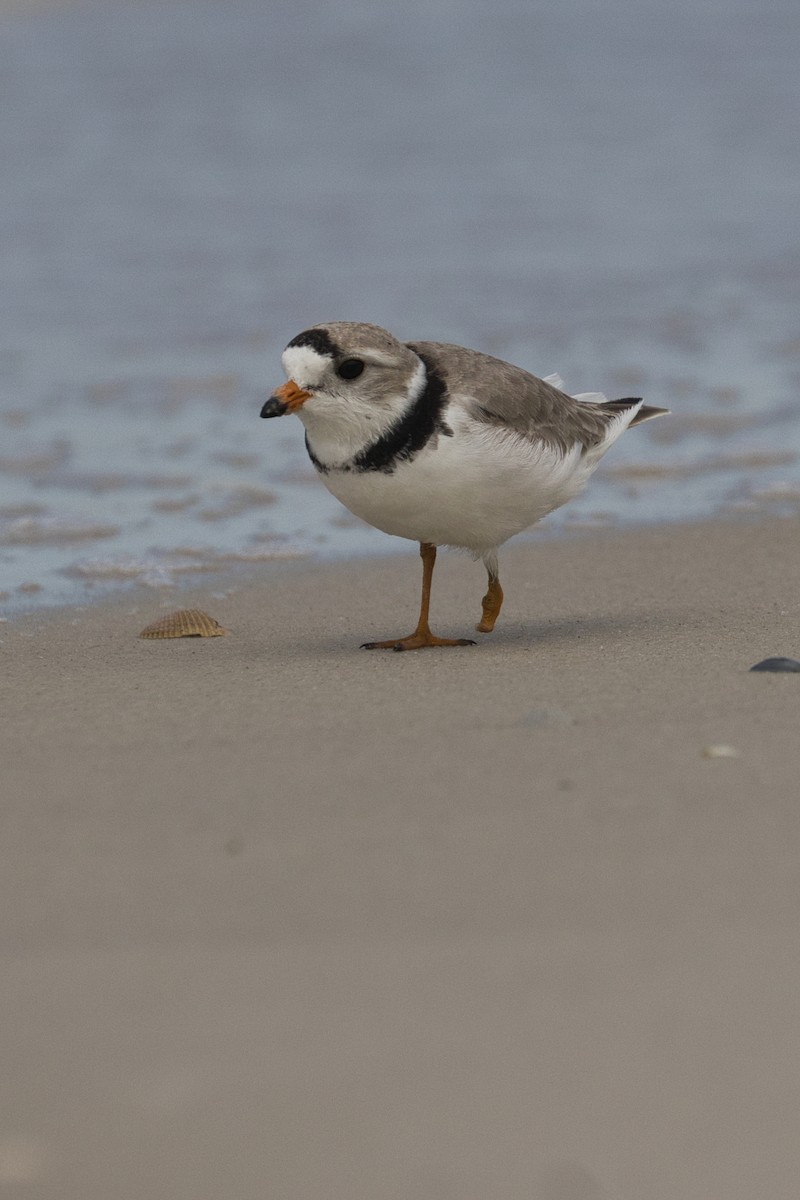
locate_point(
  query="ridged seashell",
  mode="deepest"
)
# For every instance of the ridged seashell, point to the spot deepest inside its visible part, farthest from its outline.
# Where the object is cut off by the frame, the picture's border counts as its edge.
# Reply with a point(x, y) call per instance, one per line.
point(186, 622)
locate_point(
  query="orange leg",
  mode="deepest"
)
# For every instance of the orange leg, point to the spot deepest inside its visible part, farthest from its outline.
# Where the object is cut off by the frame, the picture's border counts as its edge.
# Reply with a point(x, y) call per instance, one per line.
point(491, 604)
point(422, 636)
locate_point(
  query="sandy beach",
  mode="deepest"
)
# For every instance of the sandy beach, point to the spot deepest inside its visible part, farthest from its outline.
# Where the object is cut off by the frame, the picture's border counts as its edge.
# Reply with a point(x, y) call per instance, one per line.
point(283, 917)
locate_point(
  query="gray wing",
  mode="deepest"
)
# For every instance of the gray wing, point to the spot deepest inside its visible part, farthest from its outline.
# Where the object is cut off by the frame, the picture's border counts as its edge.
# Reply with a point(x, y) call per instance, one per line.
point(503, 395)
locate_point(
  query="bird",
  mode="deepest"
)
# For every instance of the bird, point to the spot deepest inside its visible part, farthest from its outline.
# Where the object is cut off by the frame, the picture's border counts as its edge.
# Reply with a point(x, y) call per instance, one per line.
point(442, 445)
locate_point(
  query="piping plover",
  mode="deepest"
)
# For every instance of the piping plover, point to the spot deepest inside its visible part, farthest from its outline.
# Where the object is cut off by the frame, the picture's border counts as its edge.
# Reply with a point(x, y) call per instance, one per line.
point(442, 445)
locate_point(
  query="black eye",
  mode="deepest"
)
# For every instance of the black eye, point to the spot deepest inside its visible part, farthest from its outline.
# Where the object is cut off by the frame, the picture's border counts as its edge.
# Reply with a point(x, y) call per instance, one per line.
point(351, 368)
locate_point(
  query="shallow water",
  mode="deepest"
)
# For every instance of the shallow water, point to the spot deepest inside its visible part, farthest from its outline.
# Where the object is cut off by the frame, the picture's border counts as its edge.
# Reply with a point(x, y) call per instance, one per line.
point(610, 192)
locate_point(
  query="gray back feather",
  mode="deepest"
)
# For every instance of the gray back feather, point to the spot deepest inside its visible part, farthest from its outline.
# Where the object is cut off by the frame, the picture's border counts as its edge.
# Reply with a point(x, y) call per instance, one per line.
point(498, 393)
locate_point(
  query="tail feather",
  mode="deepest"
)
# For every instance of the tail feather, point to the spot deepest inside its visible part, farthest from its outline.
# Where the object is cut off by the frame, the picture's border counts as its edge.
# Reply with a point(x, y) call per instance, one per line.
point(645, 413)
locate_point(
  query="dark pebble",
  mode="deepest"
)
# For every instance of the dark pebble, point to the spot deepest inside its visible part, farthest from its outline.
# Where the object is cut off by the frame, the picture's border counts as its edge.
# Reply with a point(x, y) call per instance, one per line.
point(777, 664)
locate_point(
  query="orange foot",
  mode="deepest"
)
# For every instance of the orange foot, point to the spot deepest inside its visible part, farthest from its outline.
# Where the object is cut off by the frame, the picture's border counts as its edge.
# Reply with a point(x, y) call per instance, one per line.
point(416, 641)
point(491, 604)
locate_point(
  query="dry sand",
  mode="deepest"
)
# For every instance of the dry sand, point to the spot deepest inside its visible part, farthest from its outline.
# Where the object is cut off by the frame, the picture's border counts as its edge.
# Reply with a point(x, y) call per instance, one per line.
point(285, 918)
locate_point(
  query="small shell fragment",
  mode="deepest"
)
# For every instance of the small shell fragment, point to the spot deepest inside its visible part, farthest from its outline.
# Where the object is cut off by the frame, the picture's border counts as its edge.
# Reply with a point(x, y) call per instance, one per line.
point(185, 622)
point(777, 664)
point(720, 752)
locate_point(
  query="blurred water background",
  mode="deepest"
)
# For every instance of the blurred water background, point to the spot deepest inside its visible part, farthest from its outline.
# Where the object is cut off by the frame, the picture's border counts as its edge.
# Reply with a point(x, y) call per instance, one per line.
point(610, 191)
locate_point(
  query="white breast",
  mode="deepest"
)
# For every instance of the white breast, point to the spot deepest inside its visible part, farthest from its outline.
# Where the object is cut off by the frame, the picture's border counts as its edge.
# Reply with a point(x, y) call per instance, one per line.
point(475, 489)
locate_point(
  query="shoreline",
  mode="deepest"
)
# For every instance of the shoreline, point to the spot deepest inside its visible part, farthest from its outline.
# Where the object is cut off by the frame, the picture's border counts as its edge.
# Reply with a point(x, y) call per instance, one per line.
point(216, 582)
point(592, 610)
point(470, 922)
point(458, 579)
point(684, 605)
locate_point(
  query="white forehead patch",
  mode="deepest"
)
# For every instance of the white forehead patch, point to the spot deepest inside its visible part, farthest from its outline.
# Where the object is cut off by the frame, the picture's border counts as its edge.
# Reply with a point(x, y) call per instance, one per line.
point(304, 365)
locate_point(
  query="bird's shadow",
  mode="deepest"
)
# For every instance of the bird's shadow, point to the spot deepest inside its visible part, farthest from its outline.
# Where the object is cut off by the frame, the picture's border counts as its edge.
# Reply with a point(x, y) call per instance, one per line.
point(587, 627)
point(526, 635)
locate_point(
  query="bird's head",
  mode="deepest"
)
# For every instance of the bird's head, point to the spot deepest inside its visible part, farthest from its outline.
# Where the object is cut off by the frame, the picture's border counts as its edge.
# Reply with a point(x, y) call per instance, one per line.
point(347, 374)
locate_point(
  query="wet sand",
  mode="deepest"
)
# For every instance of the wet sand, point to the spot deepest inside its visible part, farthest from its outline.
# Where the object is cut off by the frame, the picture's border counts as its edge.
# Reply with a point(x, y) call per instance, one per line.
point(282, 917)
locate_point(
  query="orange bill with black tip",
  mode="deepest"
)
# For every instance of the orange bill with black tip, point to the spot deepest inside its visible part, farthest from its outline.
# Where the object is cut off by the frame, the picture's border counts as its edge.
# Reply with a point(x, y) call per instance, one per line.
point(285, 399)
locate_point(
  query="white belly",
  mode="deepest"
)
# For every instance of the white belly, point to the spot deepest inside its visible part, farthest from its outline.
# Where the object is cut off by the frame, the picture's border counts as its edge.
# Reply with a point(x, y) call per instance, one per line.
point(475, 489)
